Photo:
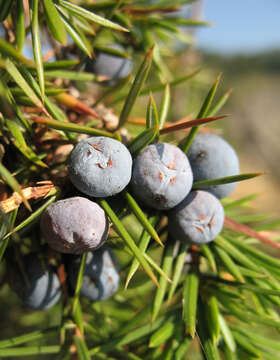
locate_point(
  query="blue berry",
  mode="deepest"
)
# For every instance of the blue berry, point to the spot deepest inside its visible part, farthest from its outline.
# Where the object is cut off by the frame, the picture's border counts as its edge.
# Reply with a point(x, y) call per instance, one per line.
point(212, 157)
point(40, 289)
point(161, 176)
point(101, 276)
point(100, 166)
point(198, 219)
point(74, 225)
point(110, 66)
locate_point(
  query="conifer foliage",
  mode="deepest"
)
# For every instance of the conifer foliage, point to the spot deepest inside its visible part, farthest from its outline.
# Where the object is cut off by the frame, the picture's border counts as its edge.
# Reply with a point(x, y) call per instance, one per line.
point(72, 72)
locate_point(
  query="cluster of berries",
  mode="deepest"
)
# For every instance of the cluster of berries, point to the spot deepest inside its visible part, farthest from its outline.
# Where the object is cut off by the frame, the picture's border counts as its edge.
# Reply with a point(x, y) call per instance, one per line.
point(161, 177)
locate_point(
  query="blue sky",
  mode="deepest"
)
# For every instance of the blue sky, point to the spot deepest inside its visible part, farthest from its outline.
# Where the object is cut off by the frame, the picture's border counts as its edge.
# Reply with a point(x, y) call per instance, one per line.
point(241, 25)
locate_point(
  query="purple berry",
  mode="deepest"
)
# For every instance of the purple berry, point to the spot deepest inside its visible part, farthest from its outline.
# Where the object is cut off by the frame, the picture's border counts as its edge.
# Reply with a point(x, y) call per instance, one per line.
point(161, 176)
point(74, 225)
point(110, 66)
point(40, 288)
point(101, 276)
point(198, 219)
point(212, 157)
point(100, 166)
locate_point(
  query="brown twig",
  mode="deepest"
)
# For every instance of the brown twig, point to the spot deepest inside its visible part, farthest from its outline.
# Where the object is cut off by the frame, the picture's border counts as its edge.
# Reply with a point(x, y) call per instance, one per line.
point(234, 225)
point(194, 252)
point(62, 279)
point(71, 102)
point(31, 110)
point(41, 189)
point(9, 32)
point(188, 124)
point(142, 121)
point(26, 11)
